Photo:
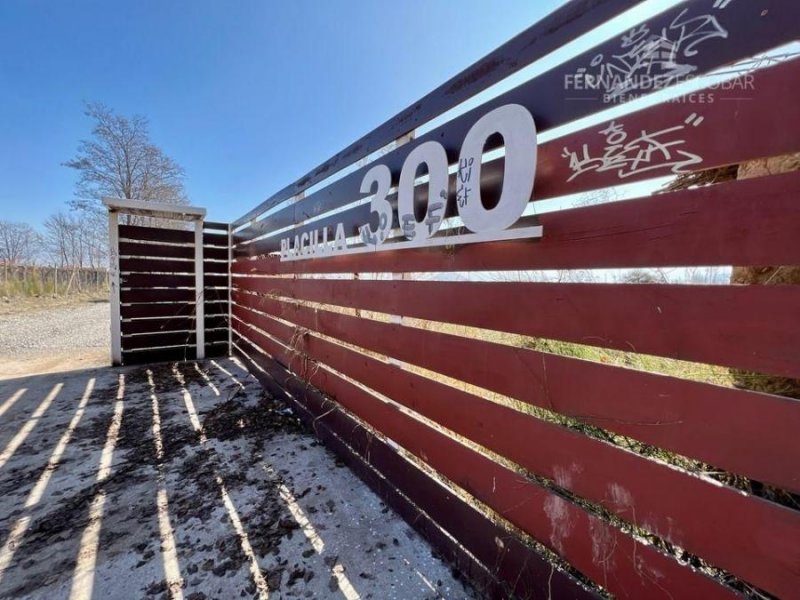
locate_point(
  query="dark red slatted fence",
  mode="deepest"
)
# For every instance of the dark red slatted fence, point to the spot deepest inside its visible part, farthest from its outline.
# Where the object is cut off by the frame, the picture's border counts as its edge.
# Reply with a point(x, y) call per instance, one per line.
point(514, 459)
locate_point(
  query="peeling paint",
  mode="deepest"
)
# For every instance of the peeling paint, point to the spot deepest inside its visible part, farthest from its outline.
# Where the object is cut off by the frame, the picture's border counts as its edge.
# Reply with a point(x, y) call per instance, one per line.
point(557, 510)
point(674, 536)
point(603, 544)
point(564, 476)
point(621, 497)
point(644, 569)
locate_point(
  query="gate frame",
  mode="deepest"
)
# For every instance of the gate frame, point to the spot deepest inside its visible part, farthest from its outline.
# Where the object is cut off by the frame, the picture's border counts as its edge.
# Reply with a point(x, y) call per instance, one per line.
point(177, 212)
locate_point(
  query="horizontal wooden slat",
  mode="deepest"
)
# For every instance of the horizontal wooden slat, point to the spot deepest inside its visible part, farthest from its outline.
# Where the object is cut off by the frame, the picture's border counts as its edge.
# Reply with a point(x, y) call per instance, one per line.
point(127, 248)
point(171, 236)
point(216, 336)
point(137, 295)
point(215, 240)
point(183, 323)
point(177, 353)
point(740, 127)
point(215, 294)
point(637, 489)
point(526, 574)
point(215, 225)
point(170, 309)
point(561, 525)
point(746, 29)
point(157, 325)
point(143, 357)
point(216, 308)
point(149, 280)
point(722, 325)
point(215, 252)
point(215, 280)
point(750, 222)
point(156, 295)
point(156, 234)
point(143, 265)
point(154, 250)
point(743, 432)
point(213, 266)
point(158, 340)
point(171, 338)
point(148, 310)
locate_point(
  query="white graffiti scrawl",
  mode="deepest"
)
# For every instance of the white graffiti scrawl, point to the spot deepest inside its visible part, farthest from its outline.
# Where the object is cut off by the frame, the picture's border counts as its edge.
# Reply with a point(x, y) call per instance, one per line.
point(652, 59)
point(628, 156)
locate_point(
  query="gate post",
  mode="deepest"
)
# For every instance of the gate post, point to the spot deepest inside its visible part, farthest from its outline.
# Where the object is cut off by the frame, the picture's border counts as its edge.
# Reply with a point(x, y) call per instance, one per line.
point(116, 325)
point(199, 311)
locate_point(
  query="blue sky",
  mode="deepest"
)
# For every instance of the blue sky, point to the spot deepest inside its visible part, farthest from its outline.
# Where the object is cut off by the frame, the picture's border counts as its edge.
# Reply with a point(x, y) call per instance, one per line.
point(246, 95)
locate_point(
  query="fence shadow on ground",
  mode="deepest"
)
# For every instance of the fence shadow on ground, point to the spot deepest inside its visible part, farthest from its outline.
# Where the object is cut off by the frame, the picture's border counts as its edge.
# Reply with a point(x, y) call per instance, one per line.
point(178, 478)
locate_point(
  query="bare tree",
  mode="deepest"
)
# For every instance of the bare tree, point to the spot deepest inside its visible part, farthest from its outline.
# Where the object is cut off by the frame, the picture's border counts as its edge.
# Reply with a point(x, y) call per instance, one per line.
point(19, 243)
point(120, 161)
point(73, 240)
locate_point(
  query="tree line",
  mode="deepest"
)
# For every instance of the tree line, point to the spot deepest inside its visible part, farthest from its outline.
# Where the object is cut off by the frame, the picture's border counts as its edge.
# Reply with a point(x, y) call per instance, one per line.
point(64, 240)
point(118, 160)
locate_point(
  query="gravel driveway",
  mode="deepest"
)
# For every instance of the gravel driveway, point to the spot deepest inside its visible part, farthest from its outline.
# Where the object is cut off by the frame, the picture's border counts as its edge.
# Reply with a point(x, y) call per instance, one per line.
point(54, 339)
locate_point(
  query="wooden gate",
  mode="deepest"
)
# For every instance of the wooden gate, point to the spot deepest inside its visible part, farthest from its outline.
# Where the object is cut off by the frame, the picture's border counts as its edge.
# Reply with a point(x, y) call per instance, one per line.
point(169, 285)
point(553, 434)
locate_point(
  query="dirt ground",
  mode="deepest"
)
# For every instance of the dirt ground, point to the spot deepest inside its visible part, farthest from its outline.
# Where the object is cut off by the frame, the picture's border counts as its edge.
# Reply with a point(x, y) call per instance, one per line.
point(48, 335)
point(34, 363)
point(187, 481)
point(24, 304)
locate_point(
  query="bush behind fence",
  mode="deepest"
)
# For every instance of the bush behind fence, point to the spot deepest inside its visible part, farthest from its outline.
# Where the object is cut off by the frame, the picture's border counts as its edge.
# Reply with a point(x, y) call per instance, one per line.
point(32, 281)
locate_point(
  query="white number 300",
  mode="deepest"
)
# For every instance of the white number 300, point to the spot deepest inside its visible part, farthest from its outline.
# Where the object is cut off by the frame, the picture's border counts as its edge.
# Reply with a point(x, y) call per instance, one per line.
point(515, 124)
